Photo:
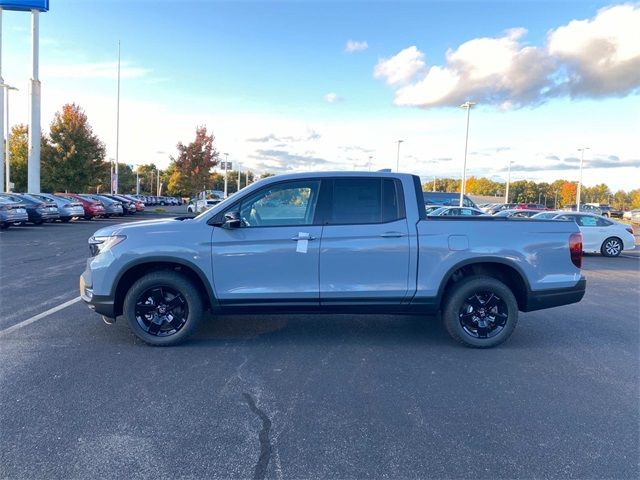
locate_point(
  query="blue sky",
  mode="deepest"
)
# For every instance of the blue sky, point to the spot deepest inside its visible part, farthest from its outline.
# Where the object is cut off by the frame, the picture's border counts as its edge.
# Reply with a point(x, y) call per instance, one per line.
point(252, 69)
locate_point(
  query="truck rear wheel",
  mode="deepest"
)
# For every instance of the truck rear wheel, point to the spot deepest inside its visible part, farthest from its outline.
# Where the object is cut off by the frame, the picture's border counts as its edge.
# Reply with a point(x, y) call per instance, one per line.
point(163, 308)
point(480, 312)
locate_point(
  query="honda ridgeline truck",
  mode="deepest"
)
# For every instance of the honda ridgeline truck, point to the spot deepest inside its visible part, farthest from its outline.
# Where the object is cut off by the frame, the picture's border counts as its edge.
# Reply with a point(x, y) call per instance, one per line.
point(332, 242)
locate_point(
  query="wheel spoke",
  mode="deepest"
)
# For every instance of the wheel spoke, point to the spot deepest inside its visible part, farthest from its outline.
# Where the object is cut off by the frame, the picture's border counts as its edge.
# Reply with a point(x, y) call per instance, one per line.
point(492, 301)
point(158, 295)
point(475, 302)
point(176, 301)
point(155, 325)
point(144, 308)
point(483, 332)
point(176, 323)
point(500, 319)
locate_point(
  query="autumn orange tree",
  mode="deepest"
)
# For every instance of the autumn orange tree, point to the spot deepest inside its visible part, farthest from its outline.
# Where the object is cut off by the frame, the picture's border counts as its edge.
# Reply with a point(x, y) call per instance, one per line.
point(72, 156)
point(568, 193)
point(191, 168)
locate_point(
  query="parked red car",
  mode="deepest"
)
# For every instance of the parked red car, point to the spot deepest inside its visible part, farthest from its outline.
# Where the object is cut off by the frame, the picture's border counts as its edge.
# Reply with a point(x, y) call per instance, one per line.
point(138, 203)
point(92, 208)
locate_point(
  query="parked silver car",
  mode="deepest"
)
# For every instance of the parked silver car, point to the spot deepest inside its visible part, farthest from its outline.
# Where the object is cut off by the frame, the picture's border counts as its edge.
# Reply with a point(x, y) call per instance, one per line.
point(12, 213)
point(67, 209)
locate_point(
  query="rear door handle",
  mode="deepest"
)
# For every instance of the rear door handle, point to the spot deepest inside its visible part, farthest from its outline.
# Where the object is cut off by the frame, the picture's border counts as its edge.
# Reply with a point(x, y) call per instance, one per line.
point(392, 234)
point(298, 237)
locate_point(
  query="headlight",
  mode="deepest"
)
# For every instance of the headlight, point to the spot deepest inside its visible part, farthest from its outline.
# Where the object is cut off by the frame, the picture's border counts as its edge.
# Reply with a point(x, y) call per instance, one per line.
point(102, 244)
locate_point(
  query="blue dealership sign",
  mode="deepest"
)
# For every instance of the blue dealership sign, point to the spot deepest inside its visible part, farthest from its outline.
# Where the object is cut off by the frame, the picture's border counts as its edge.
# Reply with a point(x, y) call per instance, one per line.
point(25, 5)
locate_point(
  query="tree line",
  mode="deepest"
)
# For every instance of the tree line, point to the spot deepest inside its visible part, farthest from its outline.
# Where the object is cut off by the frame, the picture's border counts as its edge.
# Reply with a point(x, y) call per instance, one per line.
point(555, 194)
point(73, 159)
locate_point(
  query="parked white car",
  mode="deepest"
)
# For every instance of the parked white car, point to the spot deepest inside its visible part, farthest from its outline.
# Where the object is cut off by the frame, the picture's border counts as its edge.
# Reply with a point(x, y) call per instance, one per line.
point(599, 234)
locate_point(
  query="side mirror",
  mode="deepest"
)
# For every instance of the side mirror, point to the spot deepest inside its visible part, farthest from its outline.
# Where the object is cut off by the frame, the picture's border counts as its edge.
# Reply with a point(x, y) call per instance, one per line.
point(232, 220)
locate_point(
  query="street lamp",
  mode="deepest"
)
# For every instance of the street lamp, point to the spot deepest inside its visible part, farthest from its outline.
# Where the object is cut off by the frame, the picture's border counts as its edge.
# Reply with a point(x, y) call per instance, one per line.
point(468, 106)
point(369, 164)
point(226, 161)
point(398, 157)
point(506, 193)
point(581, 150)
point(8, 88)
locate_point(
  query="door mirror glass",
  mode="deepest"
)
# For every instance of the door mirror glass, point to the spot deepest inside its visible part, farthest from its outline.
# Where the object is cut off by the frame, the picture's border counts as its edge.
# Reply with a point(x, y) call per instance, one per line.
point(232, 220)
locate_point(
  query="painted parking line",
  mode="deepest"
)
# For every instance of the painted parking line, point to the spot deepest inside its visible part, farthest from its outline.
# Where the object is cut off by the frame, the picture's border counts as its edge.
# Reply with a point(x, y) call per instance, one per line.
point(37, 317)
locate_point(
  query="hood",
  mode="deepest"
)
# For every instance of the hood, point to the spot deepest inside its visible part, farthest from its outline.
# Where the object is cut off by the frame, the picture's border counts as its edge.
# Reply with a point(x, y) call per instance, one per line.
point(161, 225)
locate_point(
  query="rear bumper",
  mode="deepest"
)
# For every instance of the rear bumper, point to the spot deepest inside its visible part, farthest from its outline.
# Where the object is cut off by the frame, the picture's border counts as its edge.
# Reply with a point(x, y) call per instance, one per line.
point(538, 300)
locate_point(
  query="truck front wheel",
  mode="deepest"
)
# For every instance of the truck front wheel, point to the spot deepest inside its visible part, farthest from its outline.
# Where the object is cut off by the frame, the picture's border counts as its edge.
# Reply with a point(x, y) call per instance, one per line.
point(480, 312)
point(163, 308)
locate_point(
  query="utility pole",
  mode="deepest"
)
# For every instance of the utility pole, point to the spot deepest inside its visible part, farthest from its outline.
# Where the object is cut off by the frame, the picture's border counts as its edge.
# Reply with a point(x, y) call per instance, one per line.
point(581, 150)
point(468, 106)
point(7, 171)
point(117, 123)
point(398, 156)
point(506, 193)
point(226, 161)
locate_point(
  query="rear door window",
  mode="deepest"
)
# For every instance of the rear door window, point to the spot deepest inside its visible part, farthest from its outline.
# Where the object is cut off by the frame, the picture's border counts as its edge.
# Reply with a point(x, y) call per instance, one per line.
point(365, 201)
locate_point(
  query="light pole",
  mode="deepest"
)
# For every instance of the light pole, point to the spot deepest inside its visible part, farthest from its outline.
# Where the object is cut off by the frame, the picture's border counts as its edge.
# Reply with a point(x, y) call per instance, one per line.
point(137, 179)
point(468, 106)
point(115, 188)
point(369, 164)
point(111, 177)
point(7, 170)
point(506, 193)
point(581, 150)
point(398, 157)
point(226, 161)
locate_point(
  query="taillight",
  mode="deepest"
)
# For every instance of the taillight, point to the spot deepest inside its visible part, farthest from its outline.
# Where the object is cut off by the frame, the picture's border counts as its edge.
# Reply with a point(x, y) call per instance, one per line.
point(629, 229)
point(575, 249)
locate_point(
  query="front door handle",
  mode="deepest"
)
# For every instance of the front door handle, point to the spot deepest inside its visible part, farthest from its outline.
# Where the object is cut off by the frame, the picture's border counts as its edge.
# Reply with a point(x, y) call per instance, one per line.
point(392, 234)
point(298, 237)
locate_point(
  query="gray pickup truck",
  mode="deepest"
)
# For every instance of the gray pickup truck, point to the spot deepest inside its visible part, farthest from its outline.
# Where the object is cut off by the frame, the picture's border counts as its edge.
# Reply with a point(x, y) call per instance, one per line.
point(332, 242)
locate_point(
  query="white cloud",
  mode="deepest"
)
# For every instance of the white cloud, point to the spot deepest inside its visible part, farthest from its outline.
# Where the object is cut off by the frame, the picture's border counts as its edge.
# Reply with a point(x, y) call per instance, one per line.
point(93, 70)
point(602, 55)
point(402, 67)
point(332, 97)
point(353, 46)
point(591, 58)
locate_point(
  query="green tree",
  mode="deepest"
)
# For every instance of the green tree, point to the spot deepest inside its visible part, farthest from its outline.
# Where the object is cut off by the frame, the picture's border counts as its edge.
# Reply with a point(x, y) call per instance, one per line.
point(73, 158)
point(19, 152)
point(194, 163)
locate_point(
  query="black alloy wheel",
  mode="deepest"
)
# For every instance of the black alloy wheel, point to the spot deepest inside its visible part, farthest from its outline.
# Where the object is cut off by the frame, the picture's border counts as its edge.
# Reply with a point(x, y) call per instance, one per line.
point(483, 315)
point(161, 311)
point(480, 312)
point(163, 307)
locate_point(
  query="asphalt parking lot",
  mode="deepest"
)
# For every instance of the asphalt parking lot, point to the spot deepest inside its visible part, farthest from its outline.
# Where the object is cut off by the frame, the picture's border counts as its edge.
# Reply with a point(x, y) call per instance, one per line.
point(327, 396)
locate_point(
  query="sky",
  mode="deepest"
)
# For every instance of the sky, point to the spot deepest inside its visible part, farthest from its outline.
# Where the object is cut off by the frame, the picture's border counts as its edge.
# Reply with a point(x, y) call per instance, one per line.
point(303, 86)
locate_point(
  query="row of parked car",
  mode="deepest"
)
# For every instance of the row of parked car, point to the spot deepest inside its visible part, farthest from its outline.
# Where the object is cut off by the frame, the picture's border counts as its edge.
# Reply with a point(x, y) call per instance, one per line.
point(600, 234)
point(37, 208)
point(152, 200)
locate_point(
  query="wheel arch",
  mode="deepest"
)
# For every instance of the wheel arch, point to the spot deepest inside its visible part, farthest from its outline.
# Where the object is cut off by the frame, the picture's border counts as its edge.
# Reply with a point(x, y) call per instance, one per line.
point(137, 269)
point(496, 267)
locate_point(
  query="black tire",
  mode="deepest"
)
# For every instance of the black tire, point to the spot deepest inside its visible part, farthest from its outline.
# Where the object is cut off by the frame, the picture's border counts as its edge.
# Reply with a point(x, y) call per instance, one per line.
point(162, 285)
point(65, 219)
point(87, 217)
point(611, 247)
point(481, 327)
point(4, 226)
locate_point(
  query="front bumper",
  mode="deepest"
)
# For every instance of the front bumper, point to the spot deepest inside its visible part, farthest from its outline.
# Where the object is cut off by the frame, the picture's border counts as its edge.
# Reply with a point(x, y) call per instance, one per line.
point(555, 297)
point(104, 305)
